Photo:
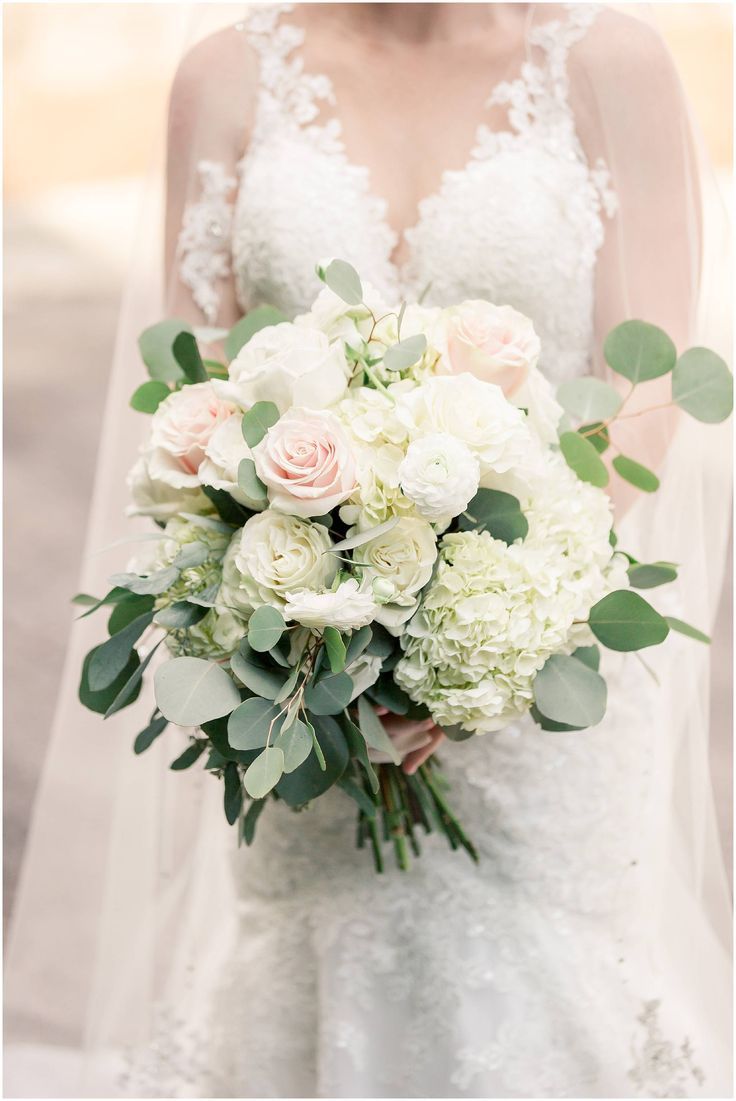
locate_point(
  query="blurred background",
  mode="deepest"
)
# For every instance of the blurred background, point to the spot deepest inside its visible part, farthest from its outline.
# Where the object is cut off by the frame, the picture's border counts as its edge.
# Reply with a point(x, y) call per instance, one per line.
point(85, 89)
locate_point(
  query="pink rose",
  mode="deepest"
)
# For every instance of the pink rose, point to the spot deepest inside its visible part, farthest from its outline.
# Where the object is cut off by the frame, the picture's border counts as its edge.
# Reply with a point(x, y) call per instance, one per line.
point(306, 462)
point(181, 429)
point(494, 343)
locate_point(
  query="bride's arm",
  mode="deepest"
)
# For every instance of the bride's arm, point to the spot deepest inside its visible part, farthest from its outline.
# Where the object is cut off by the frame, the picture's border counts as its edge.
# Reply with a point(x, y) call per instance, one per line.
point(210, 112)
point(631, 113)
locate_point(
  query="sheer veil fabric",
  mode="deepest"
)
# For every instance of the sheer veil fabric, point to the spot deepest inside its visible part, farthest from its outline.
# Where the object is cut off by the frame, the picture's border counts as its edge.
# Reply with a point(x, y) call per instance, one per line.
point(127, 902)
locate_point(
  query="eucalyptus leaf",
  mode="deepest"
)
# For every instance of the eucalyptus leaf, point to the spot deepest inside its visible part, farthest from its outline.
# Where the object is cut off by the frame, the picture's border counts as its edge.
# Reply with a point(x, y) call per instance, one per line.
point(229, 510)
point(643, 575)
point(257, 421)
point(233, 795)
point(148, 735)
point(191, 691)
point(180, 615)
point(296, 744)
point(99, 701)
point(125, 611)
point(568, 691)
point(359, 641)
point(497, 513)
point(186, 354)
point(191, 555)
point(259, 318)
point(548, 724)
point(457, 734)
point(365, 803)
point(636, 474)
point(382, 644)
point(358, 749)
point(344, 281)
point(362, 537)
point(257, 675)
point(624, 621)
point(583, 458)
point(374, 731)
point(310, 780)
point(385, 691)
point(265, 772)
point(683, 628)
point(149, 395)
point(131, 689)
point(639, 351)
point(330, 695)
point(702, 385)
point(265, 627)
point(155, 584)
point(589, 655)
point(589, 399)
point(189, 757)
point(336, 649)
point(112, 656)
point(405, 353)
point(253, 723)
point(596, 434)
point(250, 819)
point(249, 482)
point(156, 347)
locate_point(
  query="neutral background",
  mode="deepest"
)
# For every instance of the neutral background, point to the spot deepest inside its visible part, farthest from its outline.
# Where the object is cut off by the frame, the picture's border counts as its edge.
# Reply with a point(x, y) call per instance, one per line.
point(85, 93)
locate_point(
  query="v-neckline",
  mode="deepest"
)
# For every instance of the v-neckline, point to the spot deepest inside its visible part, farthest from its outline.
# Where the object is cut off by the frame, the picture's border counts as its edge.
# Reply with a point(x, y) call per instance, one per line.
point(333, 127)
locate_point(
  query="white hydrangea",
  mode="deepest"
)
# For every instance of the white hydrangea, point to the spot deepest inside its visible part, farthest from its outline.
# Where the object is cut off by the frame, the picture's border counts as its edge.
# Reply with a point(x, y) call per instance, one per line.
point(440, 476)
point(206, 545)
point(493, 613)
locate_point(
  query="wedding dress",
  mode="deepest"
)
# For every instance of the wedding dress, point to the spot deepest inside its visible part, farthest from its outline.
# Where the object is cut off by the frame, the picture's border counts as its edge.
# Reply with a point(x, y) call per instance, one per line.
point(290, 968)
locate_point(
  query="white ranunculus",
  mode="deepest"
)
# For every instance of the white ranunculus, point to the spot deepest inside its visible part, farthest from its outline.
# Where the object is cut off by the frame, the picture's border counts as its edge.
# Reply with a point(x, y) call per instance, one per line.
point(181, 428)
point(402, 557)
point(288, 365)
point(338, 320)
point(347, 608)
point(223, 455)
point(272, 555)
point(440, 476)
point(159, 499)
point(475, 412)
point(364, 672)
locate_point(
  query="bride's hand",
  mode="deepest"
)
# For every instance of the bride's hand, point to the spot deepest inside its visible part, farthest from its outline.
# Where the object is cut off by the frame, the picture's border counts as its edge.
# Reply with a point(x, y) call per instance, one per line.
point(415, 740)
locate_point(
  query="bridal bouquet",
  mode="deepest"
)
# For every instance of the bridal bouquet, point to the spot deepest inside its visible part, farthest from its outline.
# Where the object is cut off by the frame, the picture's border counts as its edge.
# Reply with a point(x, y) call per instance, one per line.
point(376, 508)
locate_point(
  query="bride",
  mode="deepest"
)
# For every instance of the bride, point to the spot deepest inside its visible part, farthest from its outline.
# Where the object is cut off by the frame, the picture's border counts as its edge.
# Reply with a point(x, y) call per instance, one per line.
point(532, 155)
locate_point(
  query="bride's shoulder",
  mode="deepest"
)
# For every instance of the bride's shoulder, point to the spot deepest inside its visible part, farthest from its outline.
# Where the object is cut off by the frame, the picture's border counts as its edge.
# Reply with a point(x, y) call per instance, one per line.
point(622, 45)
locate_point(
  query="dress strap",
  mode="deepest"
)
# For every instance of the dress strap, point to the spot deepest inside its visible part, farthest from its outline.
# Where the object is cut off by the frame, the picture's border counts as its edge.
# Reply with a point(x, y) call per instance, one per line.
point(556, 37)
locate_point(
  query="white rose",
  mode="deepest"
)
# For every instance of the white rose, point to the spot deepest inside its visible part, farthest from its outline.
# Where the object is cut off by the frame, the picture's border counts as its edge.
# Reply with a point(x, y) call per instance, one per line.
point(272, 555)
point(181, 428)
point(440, 476)
point(364, 672)
point(473, 411)
point(339, 320)
point(402, 557)
point(288, 365)
point(495, 343)
point(347, 608)
point(223, 455)
point(536, 395)
point(159, 499)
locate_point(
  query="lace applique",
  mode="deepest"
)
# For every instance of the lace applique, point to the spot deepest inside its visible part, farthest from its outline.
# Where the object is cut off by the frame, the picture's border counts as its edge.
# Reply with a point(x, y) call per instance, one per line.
point(661, 1069)
point(203, 248)
point(175, 1060)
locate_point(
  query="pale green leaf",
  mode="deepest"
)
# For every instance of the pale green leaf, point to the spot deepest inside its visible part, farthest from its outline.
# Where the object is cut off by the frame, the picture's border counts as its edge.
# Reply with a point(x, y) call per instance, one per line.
point(702, 385)
point(264, 773)
point(568, 691)
point(639, 351)
point(191, 691)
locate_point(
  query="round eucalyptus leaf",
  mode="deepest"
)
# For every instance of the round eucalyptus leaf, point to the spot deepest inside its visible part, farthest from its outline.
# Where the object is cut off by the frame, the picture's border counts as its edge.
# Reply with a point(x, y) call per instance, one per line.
point(259, 677)
point(456, 733)
point(589, 655)
point(643, 575)
point(582, 457)
point(149, 395)
point(330, 695)
point(252, 722)
point(156, 347)
point(639, 351)
point(296, 744)
point(265, 628)
point(100, 701)
point(259, 318)
point(624, 621)
point(548, 724)
point(636, 474)
point(191, 691)
point(496, 512)
point(265, 772)
point(250, 483)
point(257, 421)
point(344, 281)
point(186, 354)
point(405, 353)
point(568, 691)
point(589, 399)
point(702, 385)
point(310, 779)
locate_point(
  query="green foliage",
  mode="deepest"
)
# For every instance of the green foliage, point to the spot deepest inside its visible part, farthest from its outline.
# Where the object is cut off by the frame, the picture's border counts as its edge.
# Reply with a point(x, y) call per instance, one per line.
point(683, 628)
point(190, 756)
point(295, 741)
point(99, 701)
point(179, 615)
point(702, 385)
point(148, 735)
point(359, 641)
point(386, 692)
point(156, 347)
point(257, 673)
point(589, 655)
point(336, 649)
point(365, 804)
point(582, 457)
point(568, 691)
point(344, 281)
point(259, 318)
point(358, 749)
point(311, 780)
point(497, 513)
point(643, 575)
point(253, 723)
point(457, 734)
point(192, 691)
point(362, 537)
point(405, 353)
point(132, 686)
point(250, 820)
point(115, 596)
point(233, 794)
point(126, 611)
point(112, 656)
point(599, 436)
point(624, 621)
point(265, 772)
point(636, 474)
point(149, 395)
point(329, 695)
point(589, 399)
point(250, 483)
point(153, 585)
point(639, 351)
point(265, 628)
point(548, 724)
point(186, 354)
point(257, 421)
point(374, 731)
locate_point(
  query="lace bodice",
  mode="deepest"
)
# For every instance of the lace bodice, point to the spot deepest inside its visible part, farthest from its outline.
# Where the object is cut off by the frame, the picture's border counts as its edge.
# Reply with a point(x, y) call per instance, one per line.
point(521, 222)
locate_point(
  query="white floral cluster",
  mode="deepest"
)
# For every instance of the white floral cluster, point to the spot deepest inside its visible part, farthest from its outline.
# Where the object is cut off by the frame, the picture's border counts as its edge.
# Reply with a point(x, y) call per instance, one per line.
point(393, 452)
